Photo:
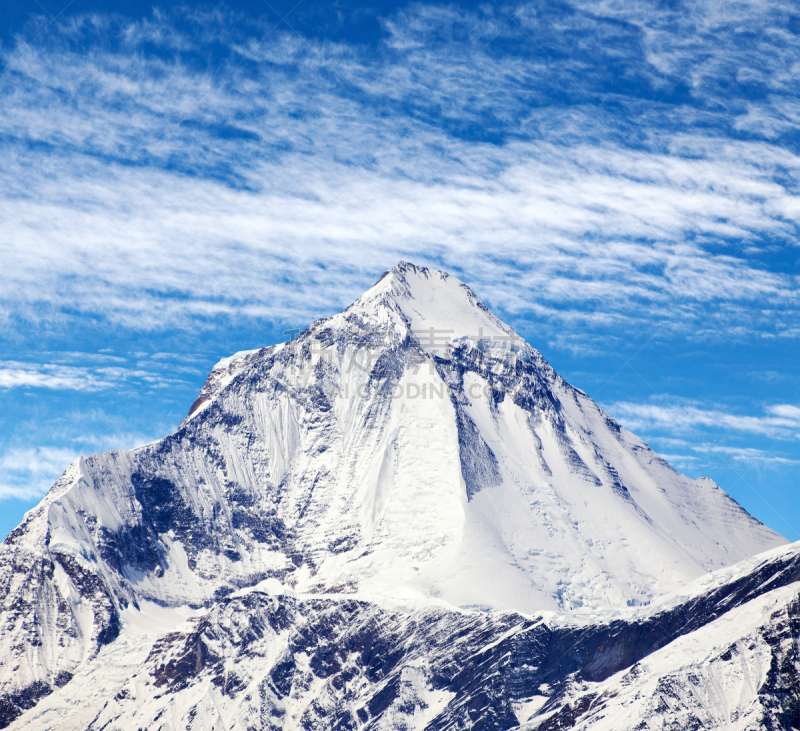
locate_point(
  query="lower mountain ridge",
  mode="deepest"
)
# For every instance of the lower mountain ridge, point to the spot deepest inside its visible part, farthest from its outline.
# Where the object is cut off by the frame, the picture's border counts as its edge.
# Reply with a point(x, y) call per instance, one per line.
point(404, 519)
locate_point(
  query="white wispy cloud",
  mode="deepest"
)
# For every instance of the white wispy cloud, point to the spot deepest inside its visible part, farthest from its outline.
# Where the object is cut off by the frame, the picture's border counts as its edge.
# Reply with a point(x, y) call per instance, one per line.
point(279, 187)
point(694, 455)
point(780, 421)
point(161, 370)
point(600, 236)
point(27, 473)
point(751, 455)
point(28, 375)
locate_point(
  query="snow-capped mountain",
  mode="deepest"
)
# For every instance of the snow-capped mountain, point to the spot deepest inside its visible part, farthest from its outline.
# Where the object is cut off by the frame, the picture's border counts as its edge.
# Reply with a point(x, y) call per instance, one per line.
point(408, 469)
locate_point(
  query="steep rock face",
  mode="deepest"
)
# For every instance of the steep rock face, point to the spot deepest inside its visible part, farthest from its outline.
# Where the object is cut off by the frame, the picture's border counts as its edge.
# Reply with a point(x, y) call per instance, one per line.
point(55, 611)
point(742, 671)
point(409, 449)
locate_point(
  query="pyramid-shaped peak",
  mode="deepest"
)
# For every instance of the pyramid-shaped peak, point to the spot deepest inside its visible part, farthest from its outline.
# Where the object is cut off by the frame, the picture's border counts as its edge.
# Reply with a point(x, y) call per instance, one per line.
point(406, 273)
point(409, 269)
point(431, 299)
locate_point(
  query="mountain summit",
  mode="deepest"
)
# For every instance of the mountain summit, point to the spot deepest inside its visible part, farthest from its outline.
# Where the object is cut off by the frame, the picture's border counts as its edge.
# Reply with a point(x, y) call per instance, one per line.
point(411, 451)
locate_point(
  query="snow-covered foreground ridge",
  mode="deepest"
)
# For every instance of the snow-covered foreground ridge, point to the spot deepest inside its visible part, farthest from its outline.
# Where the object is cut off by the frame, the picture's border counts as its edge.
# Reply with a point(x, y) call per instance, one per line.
point(721, 654)
point(407, 477)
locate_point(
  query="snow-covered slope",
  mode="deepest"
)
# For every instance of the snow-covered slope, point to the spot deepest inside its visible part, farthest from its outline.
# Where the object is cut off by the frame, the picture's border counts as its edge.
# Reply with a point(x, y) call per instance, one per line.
point(408, 452)
point(739, 670)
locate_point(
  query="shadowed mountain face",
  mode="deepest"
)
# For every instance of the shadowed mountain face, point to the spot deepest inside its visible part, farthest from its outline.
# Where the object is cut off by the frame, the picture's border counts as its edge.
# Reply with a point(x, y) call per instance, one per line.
point(369, 486)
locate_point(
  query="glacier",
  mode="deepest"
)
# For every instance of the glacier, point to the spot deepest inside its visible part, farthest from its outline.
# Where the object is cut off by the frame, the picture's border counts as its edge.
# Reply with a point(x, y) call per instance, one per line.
point(404, 518)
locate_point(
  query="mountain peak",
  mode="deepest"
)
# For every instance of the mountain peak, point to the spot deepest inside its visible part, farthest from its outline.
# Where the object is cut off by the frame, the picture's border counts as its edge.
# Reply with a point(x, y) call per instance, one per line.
point(431, 303)
point(426, 441)
point(406, 267)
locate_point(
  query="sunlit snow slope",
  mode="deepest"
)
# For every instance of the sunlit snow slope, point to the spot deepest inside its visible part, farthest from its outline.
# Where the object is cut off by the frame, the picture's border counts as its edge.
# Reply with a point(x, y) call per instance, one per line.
point(415, 447)
point(410, 450)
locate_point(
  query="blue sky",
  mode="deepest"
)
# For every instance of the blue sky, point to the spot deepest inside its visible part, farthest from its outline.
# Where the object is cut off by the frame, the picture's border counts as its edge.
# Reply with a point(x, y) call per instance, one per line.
point(618, 180)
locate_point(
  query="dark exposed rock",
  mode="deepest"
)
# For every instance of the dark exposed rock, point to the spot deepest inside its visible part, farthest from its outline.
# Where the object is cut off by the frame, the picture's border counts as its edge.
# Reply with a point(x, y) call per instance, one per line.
point(486, 663)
